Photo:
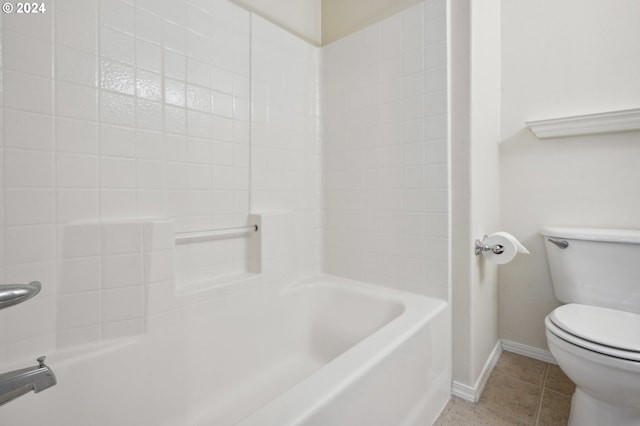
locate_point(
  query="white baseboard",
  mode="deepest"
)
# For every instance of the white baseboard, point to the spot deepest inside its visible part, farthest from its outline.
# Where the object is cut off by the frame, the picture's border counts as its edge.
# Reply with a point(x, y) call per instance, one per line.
point(529, 351)
point(472, 393)
point(468, 393)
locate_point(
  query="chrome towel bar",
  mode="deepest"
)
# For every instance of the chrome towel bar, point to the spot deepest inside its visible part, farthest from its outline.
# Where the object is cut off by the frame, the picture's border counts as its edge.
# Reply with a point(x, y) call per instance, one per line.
point(12, 294)
point(184, 237)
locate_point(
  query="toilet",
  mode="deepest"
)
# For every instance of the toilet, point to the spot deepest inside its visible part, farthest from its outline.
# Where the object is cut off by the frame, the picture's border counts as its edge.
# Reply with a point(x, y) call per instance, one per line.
point(595, 335)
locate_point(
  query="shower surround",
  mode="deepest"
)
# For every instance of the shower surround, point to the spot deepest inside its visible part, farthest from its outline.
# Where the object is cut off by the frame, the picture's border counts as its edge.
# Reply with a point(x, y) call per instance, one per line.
point(386, 179)
point(123, 122)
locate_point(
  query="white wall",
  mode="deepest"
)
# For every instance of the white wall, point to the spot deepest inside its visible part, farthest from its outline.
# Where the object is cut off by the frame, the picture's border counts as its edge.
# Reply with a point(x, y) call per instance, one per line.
point(485, 197)
point(385, 153)
point(475, 129)
point(561, 59)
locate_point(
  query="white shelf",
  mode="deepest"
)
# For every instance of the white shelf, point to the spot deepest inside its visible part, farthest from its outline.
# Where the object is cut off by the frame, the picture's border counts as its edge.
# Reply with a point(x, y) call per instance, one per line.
point(588, 124)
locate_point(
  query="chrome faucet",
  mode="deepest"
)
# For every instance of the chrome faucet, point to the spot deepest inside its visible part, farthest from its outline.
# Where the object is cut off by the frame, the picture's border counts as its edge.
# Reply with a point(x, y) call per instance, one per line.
point(18, 382)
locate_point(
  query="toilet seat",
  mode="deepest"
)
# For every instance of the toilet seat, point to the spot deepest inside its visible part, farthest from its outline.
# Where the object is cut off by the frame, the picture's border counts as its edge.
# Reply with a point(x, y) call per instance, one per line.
point(605, 331)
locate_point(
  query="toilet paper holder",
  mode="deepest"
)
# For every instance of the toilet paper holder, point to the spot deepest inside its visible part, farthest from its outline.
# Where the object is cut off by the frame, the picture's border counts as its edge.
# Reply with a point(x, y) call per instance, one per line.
point(481, 246)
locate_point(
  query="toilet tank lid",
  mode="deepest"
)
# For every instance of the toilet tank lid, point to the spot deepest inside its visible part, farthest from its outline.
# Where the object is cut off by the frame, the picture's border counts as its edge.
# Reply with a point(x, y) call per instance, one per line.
point(609, 327)
point(593, 234)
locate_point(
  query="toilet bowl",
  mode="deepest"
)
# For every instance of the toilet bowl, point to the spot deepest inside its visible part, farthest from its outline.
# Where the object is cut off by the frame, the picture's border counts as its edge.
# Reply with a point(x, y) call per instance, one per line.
point(599, 350)
point(595, 336)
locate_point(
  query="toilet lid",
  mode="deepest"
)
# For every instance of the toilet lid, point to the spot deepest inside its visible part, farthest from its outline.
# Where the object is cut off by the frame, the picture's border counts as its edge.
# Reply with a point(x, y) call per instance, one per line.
point(607, 327)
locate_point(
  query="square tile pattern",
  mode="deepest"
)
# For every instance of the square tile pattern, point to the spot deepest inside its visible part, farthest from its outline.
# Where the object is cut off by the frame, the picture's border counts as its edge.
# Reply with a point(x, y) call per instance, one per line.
point(520, 391)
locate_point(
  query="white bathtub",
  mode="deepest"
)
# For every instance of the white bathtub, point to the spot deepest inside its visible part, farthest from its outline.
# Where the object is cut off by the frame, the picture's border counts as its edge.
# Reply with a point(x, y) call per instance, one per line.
point(324, 352)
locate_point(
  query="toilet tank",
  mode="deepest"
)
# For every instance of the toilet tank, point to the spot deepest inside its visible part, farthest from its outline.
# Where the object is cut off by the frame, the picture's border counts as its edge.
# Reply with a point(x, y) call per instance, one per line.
point(598, 267)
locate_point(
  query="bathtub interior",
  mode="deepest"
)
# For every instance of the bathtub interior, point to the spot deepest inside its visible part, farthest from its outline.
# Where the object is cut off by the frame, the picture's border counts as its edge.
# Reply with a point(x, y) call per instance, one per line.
point(273, 345)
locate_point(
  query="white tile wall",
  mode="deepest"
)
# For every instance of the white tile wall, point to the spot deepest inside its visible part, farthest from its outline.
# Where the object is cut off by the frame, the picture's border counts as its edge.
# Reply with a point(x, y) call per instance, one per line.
point(285, 144)
point(385, 157)
point(104, 271)
point(116, 111)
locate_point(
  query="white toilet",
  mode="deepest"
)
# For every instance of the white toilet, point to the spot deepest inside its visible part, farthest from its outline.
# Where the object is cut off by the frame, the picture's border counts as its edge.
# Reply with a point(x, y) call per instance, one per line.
point(595, 337)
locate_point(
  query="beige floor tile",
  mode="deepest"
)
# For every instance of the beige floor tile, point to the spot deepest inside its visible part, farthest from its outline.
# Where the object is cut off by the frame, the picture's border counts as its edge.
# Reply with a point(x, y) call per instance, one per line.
point(521, 367)
point(514, 396)
point(511, 397)
point(461, 413)
point(555, 409)
point(558, 381)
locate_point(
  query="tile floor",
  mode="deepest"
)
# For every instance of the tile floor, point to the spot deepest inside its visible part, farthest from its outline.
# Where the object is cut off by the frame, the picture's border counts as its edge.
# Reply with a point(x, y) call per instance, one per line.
point(520, 391)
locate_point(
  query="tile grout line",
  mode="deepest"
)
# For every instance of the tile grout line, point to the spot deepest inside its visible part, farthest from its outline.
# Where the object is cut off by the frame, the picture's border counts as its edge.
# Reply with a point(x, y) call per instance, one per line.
point(542, 389)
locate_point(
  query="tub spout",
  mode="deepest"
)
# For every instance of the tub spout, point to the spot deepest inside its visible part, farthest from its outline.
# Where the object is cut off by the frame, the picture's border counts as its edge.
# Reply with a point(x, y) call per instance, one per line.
point(18, 382)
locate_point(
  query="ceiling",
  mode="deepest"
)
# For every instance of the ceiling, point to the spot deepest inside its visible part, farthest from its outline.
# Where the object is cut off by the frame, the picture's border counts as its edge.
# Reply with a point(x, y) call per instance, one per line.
point(321, 22)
